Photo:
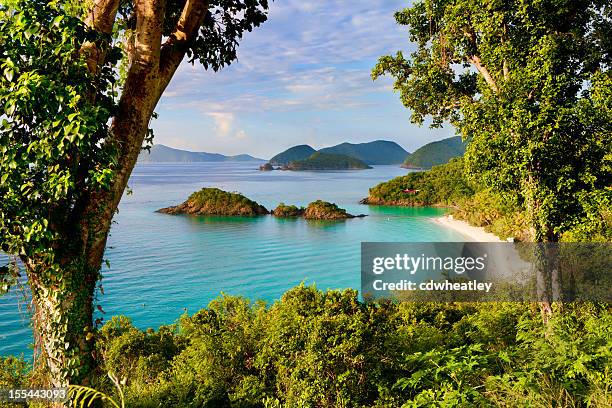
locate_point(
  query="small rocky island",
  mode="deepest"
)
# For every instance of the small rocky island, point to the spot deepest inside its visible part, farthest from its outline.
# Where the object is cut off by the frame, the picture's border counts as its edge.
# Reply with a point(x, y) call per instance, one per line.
point(213, 201)
point(316, 210)
point(287, 211)
point(322, 210)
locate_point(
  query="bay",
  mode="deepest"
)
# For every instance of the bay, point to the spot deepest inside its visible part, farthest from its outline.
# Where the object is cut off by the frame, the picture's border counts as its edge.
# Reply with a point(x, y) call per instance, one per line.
point(162, 266)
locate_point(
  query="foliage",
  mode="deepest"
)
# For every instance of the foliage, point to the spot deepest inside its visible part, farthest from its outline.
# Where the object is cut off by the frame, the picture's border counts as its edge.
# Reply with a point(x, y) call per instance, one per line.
point(53, 155)
point(283, 210)
point(82, 396)
point(76, 108)
point(442, 185)
point(496, 213)
point(322, 210)
point(314, 348)
point(52, 127)
point(213, 201)
point(9, 275)
point(327, 161)
point(435, 153)
point(13, 373)
point(596, 225)
point(529, 84)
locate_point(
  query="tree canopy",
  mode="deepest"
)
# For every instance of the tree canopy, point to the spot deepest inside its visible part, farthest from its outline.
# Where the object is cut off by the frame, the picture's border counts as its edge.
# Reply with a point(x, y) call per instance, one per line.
point(528, 84)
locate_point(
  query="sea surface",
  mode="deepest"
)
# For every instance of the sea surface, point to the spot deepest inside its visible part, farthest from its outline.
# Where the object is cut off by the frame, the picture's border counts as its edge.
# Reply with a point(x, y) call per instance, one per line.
point(162, 266)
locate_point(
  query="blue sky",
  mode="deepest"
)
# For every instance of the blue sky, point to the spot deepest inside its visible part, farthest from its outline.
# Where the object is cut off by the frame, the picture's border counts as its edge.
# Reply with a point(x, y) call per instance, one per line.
point(302, 77)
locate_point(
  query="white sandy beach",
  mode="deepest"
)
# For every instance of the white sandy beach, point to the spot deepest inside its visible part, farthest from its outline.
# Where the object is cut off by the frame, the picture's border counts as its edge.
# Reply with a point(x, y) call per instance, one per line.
point(474, 234)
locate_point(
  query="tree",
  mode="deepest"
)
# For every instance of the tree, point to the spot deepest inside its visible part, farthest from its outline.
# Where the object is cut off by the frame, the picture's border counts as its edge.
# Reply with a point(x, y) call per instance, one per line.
point(528, 84)
point(71, 131)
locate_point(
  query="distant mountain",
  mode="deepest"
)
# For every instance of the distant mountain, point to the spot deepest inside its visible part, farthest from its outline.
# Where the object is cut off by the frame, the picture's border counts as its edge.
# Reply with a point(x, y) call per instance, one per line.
point(326, 161)
point(377, 152)
point(435, 153)
point(300, 152)
point(164, 154)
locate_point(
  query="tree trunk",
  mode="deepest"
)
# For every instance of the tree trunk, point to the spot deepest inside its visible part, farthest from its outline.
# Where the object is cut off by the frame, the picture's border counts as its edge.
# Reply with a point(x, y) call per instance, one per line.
point(548, 278)
point(63, 286)
point(62, 298)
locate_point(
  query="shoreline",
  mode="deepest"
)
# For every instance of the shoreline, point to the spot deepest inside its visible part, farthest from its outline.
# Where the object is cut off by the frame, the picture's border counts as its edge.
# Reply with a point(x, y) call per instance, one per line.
point(474, 234)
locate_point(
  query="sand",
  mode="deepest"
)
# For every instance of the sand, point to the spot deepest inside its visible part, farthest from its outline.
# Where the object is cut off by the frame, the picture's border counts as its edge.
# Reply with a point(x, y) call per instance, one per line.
point(473, 234)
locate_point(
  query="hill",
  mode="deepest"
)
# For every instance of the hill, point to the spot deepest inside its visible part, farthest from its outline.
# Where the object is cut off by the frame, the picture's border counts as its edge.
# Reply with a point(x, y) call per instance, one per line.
point(164, 154)
point(299, 152)
point(435, 153)
point(325, 161)
point(377, 152)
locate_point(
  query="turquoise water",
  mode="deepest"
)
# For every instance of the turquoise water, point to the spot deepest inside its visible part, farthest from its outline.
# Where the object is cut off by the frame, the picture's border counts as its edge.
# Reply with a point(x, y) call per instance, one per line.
point(163, 265)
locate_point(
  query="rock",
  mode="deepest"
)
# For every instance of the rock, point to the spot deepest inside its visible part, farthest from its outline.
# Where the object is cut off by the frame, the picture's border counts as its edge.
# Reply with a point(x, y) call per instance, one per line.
point(266, 167)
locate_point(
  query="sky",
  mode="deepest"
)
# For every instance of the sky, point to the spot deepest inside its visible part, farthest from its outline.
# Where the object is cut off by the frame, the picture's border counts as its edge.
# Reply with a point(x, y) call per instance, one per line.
point(303, 77)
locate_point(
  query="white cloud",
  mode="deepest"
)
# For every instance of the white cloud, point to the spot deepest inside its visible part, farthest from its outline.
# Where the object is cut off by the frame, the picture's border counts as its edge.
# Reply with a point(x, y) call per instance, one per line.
point(223, 122)
point(317, 48)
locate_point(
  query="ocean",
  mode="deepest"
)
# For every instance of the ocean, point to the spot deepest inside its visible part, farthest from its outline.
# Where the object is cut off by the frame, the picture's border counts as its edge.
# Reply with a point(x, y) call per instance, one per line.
point(162, 266)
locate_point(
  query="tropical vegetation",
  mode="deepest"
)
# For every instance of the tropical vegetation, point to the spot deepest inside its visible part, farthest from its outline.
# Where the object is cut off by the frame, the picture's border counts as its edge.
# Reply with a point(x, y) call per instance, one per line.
point(329, 349)
point(502, 214)
point(529, 84)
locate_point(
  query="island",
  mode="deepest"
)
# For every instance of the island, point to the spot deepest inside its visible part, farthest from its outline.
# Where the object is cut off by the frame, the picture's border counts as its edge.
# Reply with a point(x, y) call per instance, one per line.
point(316, 210)
point(299, 152)
point(435, 153)
point(214, 201)
point(378, 152)
point(266, 167)
point(287, 211)
point(322, 210)
point(327, 161)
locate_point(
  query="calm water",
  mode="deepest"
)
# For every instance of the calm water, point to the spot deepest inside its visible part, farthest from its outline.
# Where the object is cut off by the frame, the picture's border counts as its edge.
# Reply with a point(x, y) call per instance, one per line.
point(162, 265)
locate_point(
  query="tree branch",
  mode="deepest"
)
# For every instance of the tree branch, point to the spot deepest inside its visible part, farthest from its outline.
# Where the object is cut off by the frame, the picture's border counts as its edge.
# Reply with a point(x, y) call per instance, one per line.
point(101, 18)
point(138, 99)
point(147, 42)
point(475, 60)
point(174, 49)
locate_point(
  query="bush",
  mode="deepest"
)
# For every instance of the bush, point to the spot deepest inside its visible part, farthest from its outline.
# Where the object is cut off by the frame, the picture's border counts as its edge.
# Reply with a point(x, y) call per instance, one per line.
point(329, 349)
